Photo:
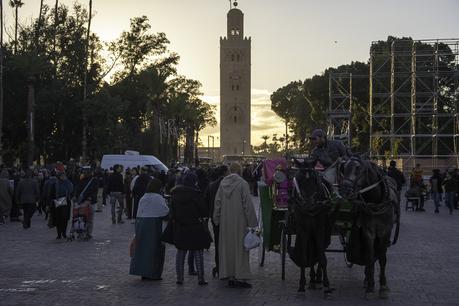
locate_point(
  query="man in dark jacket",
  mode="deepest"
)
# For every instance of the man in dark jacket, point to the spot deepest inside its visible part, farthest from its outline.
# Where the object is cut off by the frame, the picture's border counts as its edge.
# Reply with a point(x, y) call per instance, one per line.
point(325, 151)
point(27, 195)
point(450, 185)
point(436, 188)
point(115, 189)
point(209, 197)
point(397, 175)
point(140, 187)
point(6, 196)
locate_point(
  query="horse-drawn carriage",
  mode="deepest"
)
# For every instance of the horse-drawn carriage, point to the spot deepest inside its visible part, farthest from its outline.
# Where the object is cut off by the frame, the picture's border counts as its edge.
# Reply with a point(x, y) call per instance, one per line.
point(299, 204)
point(275, 191)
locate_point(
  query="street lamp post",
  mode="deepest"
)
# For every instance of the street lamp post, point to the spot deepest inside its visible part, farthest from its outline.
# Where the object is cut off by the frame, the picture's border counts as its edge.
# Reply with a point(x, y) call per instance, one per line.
point(208, 146)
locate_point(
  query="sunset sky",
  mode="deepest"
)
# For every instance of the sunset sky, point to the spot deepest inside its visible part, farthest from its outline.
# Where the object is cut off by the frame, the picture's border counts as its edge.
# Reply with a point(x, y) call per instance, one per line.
point(291, 39)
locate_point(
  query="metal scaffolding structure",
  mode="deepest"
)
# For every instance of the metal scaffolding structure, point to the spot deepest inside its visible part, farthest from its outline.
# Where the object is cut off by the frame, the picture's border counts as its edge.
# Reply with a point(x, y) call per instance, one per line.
point(340, 106)
point(414, 95)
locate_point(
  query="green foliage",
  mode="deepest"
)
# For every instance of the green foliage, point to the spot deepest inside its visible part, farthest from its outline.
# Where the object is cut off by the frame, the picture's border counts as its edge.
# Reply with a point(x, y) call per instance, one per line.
point(146, 106)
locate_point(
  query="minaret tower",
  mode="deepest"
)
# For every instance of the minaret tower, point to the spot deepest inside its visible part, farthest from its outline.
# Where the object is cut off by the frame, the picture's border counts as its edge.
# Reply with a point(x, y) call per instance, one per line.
point(235, 87)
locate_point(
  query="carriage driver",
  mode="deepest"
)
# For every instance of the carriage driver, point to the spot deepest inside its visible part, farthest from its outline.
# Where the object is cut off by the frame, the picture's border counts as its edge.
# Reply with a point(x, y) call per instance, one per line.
point(325, 151)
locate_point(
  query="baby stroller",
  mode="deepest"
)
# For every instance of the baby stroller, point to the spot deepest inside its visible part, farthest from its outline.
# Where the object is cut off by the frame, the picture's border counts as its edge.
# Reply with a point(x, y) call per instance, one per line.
point(80, 221)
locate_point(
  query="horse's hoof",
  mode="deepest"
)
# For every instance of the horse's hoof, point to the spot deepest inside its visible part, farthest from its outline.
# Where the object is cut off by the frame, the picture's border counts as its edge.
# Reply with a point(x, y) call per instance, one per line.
point(384, 292)
point(370, 295)
point(301, 290)
point(328, 293)
point(312, 286)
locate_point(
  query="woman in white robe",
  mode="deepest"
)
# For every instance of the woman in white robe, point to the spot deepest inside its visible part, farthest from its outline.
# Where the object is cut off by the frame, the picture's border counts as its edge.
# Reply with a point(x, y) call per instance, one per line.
point(148, 255)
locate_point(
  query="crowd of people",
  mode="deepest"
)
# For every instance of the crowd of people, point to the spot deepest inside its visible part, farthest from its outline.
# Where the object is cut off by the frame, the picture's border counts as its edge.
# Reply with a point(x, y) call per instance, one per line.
point(439, 186)
point(191, 200)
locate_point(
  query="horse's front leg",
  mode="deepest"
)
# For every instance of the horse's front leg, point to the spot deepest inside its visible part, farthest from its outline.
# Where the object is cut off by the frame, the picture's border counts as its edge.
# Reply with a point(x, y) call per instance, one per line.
point(323, 266)
point(383, 288)
point(370, 280)
point(312, 278)
point(318, 278)
point(302, 280)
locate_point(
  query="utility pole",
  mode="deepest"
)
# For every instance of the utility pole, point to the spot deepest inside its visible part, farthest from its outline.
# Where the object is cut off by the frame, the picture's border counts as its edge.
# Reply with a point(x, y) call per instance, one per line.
point(1, 81)
point(84, 140)
point(30, 120)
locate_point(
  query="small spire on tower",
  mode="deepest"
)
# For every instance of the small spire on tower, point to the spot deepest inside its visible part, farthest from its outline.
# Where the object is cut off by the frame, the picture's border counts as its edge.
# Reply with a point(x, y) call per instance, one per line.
point(235, 4)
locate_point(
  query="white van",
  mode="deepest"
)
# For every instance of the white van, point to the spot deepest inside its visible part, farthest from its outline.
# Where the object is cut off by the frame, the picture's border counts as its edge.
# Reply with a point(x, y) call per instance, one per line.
point(132, 160)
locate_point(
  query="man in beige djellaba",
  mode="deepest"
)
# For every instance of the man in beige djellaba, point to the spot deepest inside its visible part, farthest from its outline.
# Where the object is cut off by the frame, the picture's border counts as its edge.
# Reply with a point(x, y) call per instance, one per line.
point(235, 214)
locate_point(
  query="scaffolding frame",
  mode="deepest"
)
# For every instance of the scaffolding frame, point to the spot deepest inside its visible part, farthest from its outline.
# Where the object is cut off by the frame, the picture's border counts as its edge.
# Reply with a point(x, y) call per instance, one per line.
point(414, 96)
point(341, 101)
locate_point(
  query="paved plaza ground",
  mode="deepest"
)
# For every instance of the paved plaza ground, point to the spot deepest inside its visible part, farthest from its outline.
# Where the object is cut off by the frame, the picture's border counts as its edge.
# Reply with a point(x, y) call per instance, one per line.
point(36, 269)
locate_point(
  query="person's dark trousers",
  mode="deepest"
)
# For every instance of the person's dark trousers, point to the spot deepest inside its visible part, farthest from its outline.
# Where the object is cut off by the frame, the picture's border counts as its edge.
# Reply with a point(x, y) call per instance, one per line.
point(136, 207)
point(104, 196)
point(191, 269)
point(62, 217)
point(216, 230)
point(456, 199)
point(15, 212)
point(129, 206)
point(255, 189)
point(29, 209)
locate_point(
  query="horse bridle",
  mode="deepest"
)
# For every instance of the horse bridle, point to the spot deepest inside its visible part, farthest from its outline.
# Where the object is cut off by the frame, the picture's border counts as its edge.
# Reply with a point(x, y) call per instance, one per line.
point(317, 177)
point(354, 183)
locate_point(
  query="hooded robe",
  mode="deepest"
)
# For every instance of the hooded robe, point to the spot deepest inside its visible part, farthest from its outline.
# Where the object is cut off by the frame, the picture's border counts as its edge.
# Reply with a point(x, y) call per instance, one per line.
point(235, 213)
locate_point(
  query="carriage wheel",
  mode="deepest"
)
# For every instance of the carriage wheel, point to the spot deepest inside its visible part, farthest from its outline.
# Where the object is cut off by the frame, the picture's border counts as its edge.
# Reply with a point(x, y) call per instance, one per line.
point(283, 250)
point(261, 252)
point(261, 248)
point(342, 239)
point(348, 264)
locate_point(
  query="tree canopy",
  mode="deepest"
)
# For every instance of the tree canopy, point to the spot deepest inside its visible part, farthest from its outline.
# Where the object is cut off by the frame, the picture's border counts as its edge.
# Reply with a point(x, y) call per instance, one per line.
point(135, 99)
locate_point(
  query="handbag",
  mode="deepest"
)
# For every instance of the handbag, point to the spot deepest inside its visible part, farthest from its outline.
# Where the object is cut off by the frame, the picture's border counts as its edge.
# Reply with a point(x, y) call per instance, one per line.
point(168, 233)
point(251, 240)
point(59, 201)
point(206, 236)
point(62, 201)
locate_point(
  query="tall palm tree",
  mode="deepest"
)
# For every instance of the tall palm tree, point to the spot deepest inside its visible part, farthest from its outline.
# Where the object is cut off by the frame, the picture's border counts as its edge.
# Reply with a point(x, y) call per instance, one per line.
point(1, 79)
point(84, 141)
point(16, 4)
point(37, 34)
point(265, 138)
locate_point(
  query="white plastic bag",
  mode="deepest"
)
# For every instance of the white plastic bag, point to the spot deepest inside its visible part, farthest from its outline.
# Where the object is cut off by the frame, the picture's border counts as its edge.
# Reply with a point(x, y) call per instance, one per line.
point(251, 240)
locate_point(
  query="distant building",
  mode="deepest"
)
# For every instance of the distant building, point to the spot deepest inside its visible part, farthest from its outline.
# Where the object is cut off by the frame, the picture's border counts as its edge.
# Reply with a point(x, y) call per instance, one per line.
point(235, 87)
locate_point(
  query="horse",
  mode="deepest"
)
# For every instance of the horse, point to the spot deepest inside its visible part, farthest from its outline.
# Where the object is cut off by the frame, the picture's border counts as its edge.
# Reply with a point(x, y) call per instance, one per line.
point(310, 210)
point(376, 207)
